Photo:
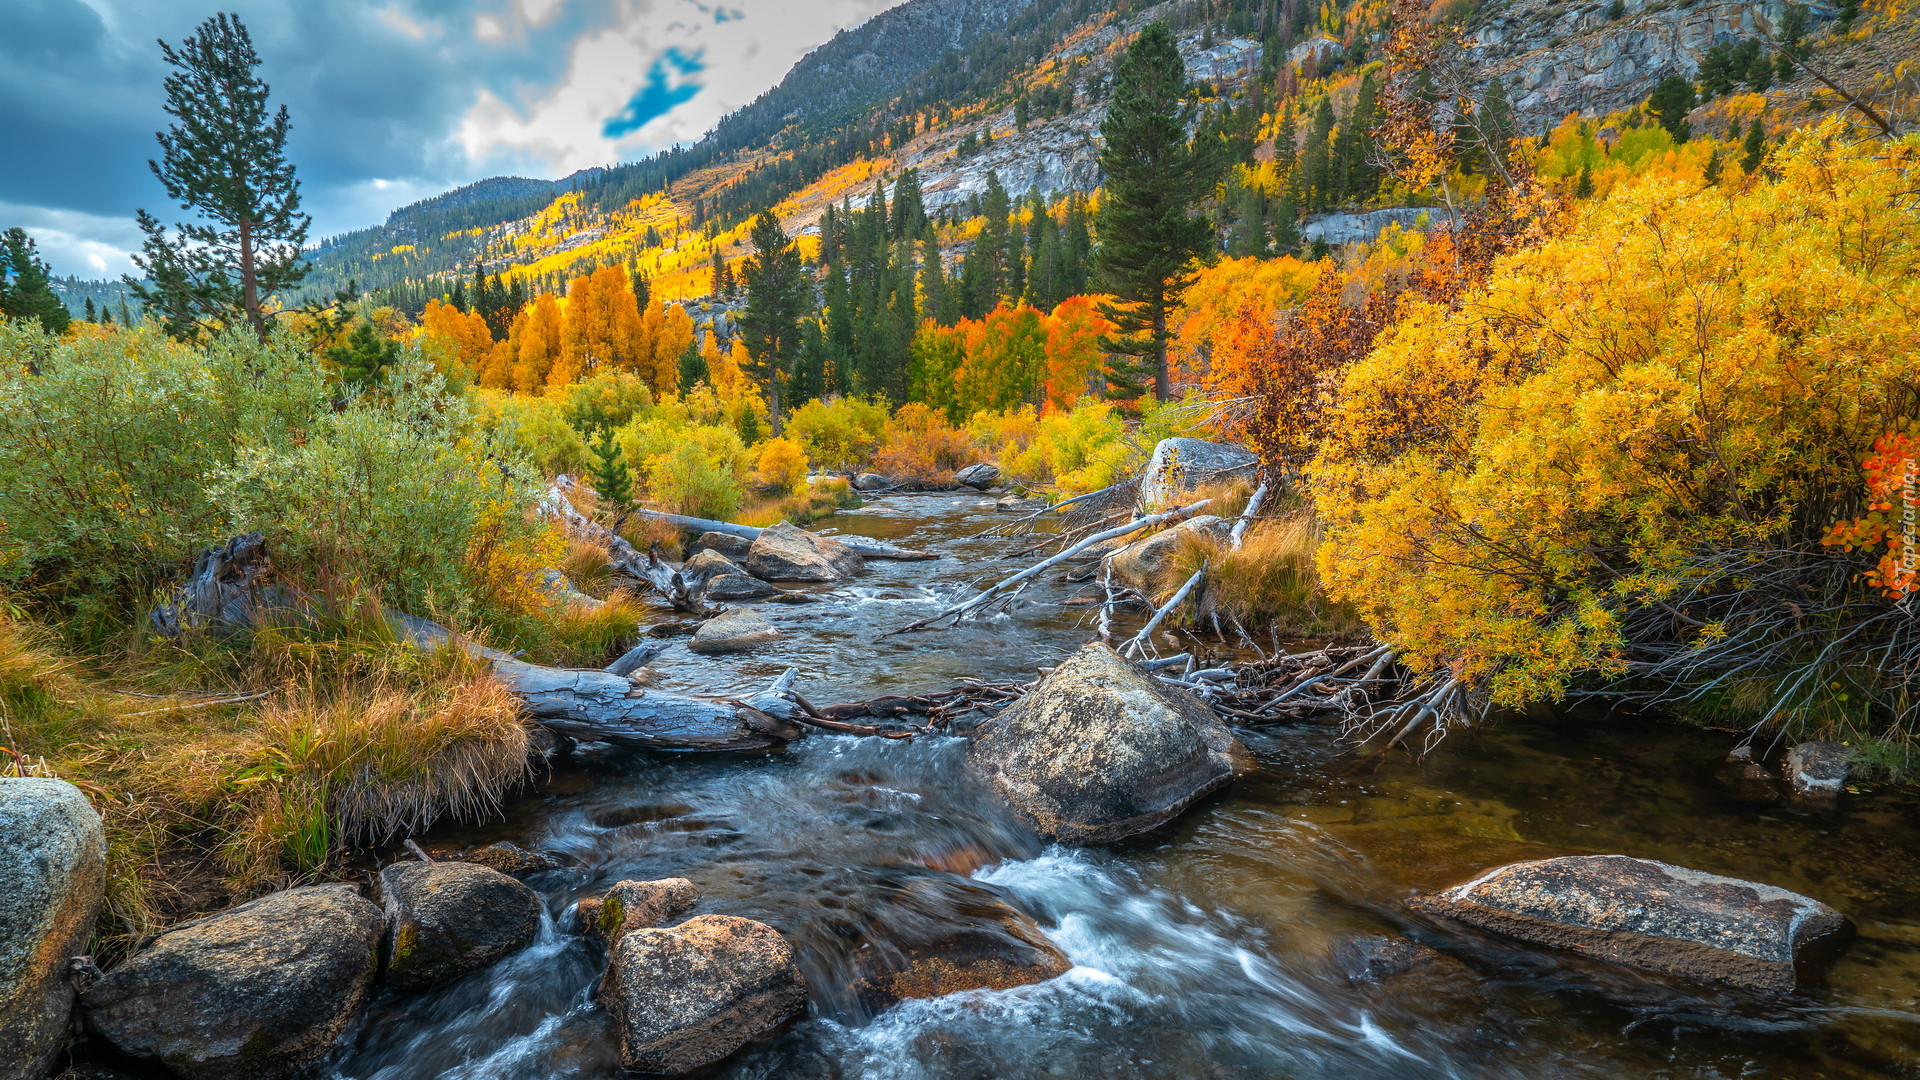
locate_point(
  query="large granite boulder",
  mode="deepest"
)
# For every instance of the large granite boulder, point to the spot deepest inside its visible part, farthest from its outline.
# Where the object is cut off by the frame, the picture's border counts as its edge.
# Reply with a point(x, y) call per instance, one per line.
point(1818, 769)
point(786, 552)
point(1180, 465)
point(634, 905)
point(738, 630)
point(1142, 565)
point(687, 996)
point(53, 877)
point(448, 919)
point(867, 481)
point(978, 477)
point(1100, 751)
point(257, 991)
point(1651, 915)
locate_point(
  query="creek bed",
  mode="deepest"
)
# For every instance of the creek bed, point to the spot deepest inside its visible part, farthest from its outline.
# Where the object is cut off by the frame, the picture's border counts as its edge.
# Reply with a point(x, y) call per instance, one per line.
point(1206, 950)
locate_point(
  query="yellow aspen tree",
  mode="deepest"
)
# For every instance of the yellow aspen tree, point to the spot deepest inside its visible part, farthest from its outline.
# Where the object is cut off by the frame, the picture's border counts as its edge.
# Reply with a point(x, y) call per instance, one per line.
point(538, 349)
point(672, 338)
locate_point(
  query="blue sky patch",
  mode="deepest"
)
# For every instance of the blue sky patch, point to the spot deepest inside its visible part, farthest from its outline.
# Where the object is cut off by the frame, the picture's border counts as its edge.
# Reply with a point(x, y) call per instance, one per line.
point(669, 84)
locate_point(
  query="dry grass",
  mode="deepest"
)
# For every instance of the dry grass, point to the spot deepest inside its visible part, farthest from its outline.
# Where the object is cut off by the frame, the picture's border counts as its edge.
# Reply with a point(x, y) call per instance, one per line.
point(1269, 584)
point(358, 739)
point(583, 635)
point(822, 498)
point(589, 565)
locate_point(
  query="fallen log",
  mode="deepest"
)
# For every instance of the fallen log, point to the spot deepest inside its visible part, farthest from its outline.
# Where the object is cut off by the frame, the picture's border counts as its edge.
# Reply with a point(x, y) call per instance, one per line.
point(232, 590)
point(862, 546)
point(961, 609)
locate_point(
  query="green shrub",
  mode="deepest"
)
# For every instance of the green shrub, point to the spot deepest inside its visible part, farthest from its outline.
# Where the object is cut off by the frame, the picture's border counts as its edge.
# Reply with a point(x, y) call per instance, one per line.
point(399, 498)
point(109, 444)
point(538, 429)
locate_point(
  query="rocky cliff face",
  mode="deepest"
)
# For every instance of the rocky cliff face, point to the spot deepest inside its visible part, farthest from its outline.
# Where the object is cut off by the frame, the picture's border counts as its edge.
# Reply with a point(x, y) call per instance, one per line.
point(1558, 58)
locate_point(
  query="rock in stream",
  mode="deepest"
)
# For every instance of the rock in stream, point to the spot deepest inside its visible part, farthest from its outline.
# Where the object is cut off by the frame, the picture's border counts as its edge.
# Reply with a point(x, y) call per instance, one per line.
point(1100, 751)
point(786, 552)
point(258, 991)
point(1651, 915)
point(448, 919)
point(687, 996)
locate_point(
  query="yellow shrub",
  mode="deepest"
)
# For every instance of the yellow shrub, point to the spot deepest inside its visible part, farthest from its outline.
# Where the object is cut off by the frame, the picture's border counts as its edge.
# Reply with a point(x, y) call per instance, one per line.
point(783, 466)
point(1683, 374)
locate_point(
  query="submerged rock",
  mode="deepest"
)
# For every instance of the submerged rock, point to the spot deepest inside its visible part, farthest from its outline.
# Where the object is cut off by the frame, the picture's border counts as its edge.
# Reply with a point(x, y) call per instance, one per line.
point(687, 996)
point(53, 876)
point(867, 481)
point(448, 919)
point(737, 587)
point(1651, 915)
point(727, 544)
point(786, 552)
point(1818, 769)
point(258, 991)
point(1142, 565)
point(978, 477)
point(1014, 504)
point(510, 859)
point(634, 905)
point(1100, 751)
point(733, 631)
point(941, 937)
point(1373, 957)
point(1180, 465)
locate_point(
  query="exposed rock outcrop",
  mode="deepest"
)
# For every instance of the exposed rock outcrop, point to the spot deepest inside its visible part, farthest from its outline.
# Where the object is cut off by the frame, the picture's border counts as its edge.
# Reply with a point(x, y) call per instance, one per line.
point(738, 630)
point(786, 552)
point(53, 876)
point(1100, 751)
point(687, 996)
point(258, 991)
point(448, 919)
point(1651, 915)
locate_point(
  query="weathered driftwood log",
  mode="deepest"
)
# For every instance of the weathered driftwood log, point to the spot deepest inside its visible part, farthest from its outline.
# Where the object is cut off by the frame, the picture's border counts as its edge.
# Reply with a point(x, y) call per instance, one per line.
point(233, 589)
point(672, 586)
point(863, 547)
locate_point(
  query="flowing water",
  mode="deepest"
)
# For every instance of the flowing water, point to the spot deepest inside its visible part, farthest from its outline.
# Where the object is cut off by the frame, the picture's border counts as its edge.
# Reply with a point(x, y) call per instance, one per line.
point(1212, 948)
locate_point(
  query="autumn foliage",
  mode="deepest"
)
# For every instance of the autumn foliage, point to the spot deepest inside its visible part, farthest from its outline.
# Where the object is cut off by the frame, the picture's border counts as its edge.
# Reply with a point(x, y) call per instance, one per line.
point(1599, 453)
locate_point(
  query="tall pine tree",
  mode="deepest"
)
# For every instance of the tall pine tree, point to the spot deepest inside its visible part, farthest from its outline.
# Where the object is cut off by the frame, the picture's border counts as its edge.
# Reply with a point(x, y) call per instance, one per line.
point(779, 295)
point(1150, 234)
point(224, 157)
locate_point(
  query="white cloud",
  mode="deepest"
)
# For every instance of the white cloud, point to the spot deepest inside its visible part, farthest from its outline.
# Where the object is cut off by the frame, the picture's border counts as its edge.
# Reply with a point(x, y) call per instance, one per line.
point(745, 48)
point(88, 245)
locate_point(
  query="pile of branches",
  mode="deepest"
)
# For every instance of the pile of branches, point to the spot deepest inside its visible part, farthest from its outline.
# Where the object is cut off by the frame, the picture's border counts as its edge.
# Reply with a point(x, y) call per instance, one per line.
point(902, 716)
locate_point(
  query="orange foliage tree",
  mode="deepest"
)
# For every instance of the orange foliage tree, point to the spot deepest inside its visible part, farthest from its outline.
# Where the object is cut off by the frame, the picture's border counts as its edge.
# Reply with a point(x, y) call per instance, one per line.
point(1074, 356)
point(464, 335)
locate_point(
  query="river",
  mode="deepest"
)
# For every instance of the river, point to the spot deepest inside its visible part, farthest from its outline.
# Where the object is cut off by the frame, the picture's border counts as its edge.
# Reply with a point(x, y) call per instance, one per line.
point(1210, 949)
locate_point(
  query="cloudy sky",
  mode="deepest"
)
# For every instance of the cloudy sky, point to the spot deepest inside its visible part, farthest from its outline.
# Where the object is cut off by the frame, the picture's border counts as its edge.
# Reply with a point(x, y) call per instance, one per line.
point(392, 100)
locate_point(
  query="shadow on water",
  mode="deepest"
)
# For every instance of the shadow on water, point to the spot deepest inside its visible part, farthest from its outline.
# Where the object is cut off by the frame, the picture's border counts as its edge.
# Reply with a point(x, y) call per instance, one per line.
point(1213, 948)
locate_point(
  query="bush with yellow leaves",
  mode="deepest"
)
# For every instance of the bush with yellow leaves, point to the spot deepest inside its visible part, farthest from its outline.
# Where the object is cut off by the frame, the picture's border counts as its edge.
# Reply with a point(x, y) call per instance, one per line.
point(1617, 457)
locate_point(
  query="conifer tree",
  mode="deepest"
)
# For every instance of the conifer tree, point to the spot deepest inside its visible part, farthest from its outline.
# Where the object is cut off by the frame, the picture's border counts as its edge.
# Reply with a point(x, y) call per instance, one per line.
point(90, 315)
point(224, 157)
point(612, 480)
point(26, 290)
point(693, 363)
point(909, 208)
point(1316, 159)
point(366, 356)
point(1150, 236)
point(1583, 187)
point(1753, 147)
point(935, 303)
point(779, 295)
point(1248, 235)
point(1670, 103)
point(1284, 227)
point(1076, 245)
